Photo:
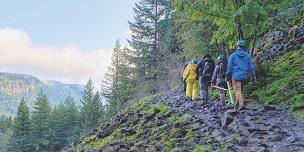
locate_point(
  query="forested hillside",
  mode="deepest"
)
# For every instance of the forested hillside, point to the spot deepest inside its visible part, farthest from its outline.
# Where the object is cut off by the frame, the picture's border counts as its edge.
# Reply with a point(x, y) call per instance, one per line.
point(144, 109)
point(168, 33)
point(47, 127)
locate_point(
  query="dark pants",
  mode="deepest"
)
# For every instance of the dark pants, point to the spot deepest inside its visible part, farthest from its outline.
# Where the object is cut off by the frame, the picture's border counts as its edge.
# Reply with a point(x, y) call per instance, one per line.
point(204, 89)
point(184, 86)
point(222, 93)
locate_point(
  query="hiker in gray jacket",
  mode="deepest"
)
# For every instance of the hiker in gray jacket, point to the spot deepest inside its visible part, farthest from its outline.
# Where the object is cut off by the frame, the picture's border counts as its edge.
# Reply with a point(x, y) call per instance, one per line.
point(218, 77)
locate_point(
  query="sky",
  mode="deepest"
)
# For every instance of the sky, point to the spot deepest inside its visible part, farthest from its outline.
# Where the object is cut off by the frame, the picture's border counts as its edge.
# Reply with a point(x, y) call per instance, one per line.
point(65, 40)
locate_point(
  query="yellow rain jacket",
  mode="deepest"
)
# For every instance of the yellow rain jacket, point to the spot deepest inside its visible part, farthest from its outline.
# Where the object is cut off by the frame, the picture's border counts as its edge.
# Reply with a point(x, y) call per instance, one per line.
point(192, 84)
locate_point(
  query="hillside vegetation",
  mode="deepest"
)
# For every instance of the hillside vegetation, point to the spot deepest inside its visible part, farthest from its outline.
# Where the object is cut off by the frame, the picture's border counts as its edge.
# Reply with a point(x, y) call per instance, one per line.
point(145, 111)
point(184, 30)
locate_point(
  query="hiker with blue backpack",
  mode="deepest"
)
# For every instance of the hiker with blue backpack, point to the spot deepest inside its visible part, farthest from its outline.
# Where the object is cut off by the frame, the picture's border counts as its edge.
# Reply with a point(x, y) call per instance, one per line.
point(205, 70)
point(240, 68)
point(218, 78)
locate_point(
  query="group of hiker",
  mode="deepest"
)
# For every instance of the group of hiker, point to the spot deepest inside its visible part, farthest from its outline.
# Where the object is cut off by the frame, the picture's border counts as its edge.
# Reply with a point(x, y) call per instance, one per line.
point(199, 76)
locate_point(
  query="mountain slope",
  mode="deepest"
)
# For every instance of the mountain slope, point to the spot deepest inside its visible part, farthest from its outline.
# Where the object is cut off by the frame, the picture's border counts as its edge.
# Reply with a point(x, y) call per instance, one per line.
point(15, 86)
point(170, 122)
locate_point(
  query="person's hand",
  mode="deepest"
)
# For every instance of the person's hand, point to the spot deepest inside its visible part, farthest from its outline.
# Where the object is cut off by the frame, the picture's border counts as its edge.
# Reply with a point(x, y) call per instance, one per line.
point(227, 79)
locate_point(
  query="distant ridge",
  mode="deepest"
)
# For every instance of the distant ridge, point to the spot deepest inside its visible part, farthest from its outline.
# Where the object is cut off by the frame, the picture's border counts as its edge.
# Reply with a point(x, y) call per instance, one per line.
point(14, 86)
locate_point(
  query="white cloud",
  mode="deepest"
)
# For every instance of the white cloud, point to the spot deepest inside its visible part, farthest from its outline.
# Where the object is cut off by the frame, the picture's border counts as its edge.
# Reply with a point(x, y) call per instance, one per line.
point(70, 62)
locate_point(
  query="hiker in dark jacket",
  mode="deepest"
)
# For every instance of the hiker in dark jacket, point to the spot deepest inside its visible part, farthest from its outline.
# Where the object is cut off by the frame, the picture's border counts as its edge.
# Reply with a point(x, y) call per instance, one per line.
point(205, 70)
point(240, 67)
point(218, 78)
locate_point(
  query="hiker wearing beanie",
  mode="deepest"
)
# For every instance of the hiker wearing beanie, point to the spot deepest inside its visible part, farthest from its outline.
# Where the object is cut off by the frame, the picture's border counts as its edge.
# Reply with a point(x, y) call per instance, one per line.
point(190, 77)
point(218, 78)
point(240, 67)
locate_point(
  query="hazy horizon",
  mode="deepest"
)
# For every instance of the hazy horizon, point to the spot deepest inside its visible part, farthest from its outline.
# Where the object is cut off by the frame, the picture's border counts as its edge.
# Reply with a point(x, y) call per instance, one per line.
point(68, 41)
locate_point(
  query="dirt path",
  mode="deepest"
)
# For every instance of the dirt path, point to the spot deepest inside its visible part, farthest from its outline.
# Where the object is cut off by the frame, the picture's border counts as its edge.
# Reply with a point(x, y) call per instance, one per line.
point(261, 128)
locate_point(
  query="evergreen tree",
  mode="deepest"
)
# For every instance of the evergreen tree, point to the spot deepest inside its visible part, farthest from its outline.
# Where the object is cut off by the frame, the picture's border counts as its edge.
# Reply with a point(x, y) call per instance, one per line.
point(235, 19)
point(90, 108)
point(5, 124)
point(59, 126)
point(65, 124)
point(72, 119)
point(146, 36)
point(118, 85)
point(98, 109)
point(21, 139)
point(41, 123)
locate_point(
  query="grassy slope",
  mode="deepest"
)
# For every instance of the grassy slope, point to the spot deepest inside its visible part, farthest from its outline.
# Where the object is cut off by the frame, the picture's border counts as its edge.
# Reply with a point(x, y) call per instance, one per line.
point(168, 138)
point(284, 82)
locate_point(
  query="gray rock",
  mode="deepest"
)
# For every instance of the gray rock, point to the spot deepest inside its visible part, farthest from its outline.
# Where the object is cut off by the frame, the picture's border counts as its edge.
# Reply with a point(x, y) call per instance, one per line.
point(104, 133)
point(88, 150)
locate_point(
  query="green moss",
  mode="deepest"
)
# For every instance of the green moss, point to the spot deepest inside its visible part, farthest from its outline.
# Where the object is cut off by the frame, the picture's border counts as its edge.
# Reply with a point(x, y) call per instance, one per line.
point(77, 149)
point(157, 108)
point(202, 148)
point(99, 143)
point(235, 139)
point(89, 139)
point(140, 104)
point(223, 147)
point(177, 118)
point(283, 82)
point(299, 114)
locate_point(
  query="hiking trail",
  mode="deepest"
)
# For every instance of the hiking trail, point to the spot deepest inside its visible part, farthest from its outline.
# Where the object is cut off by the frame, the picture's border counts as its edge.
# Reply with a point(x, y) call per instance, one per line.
point(170, 122)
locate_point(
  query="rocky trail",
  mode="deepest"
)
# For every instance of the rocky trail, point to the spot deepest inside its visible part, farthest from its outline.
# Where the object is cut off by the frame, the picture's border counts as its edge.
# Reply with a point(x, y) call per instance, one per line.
point(182, 125)
point(261, 128)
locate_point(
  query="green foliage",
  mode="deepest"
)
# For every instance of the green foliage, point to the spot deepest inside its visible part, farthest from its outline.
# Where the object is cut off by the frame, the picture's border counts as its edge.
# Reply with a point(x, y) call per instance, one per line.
point(202, 148)
point(194, 36)
point(65, 124)
point(290, 14)
point(92, 110)
point(154, 43)
point(244, 19)
point(157, 108)
point(46, 130)
point(118, 85)
point(93, 142)
point(22, 130)
point(179, 118)
point(235, 138)
point(41, 123)
point(5, 124)
point(284, 82)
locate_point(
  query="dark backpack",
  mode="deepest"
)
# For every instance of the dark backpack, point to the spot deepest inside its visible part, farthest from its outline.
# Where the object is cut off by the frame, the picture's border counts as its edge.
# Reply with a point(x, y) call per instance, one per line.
point(207, 69)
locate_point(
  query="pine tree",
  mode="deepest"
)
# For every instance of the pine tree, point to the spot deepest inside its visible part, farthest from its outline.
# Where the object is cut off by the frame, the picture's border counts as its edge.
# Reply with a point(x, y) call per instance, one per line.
point(41, 123)
point(146, 35)
point(72, 119)
point(98, 109)
point(118, 85)
point(65, 125)
point(58, 127)
point(22, 130)
point(90, 108)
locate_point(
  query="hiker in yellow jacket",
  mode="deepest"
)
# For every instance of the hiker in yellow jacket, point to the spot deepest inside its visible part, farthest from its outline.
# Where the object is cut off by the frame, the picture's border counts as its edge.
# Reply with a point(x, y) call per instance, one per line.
point(190, 77)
